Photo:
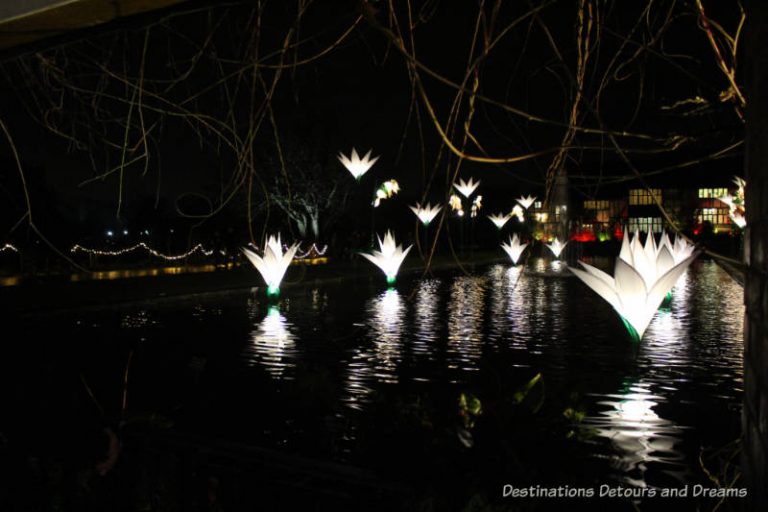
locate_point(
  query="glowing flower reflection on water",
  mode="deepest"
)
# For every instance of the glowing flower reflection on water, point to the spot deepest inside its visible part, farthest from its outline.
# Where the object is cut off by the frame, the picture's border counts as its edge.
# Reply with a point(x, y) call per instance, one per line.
point(273, 345)
point(465, 322)
point(366, 364)
point(638, 433)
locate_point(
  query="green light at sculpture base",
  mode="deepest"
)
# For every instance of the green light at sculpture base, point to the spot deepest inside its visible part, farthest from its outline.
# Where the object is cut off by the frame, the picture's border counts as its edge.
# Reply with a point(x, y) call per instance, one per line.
point(273, 291)
point(666, 302)
point(391, 279)
point(632, 332)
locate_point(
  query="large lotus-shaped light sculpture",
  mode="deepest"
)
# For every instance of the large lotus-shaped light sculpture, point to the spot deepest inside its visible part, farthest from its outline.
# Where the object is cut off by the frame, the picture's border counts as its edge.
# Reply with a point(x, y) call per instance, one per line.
point(389, 258)
point(273, 264)
point(466, 188)
point(514, 248)
point(641, 280)
point(426, 214)
point(526, 202)
point(356, 165)
point(556, 247)
point(499, 219)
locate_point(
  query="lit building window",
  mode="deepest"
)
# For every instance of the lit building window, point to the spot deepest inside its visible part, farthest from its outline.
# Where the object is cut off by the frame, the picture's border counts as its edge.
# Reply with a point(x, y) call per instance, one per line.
point(713, 215)
point(537, 205)
point(646, 224)
point(712, 193)
point(641, 196)
point(596, 205)
point(598, 210)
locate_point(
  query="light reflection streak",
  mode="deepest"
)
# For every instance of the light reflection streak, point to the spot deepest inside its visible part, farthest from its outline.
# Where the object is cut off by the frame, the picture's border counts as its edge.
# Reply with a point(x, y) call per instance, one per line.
point(378, 362)
point(465, 323)
point(426, 317)
point(273, 345)
point(637, 432)
point(386, 323)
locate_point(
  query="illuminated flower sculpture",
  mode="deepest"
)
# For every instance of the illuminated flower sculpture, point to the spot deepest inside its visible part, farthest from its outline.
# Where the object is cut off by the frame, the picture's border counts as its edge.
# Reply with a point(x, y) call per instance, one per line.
point(389, 258)
point(426, 213)
point(736, 204)
point(477, 204)
point(556, 247)
point(356, 165)
point(466, 188)
point(385, 191)
point(455, 204)
point(526, 202)
point(499, 220)
point(273, 264)
point(641, 279)
point(514, 248)
point(518, 212)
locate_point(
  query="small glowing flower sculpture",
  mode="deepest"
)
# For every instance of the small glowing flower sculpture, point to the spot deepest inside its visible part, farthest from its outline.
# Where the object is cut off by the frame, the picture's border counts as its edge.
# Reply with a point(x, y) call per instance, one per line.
point(356, 165)
point(477, 204)
point(736, 204)
point(499, 220)
point(556, 247)
point(389, 258)
point(466, 188)
point(514, 248)
point(426, 213)
point(455, 204)
point(638, 285)
point(526, 202)
point(273, 264)
point(518, 212)
point(385, 191)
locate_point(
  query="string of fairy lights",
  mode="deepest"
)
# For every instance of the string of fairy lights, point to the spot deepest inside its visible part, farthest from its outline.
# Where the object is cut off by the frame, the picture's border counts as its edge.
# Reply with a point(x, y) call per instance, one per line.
point(141, 245)
point(314, 251)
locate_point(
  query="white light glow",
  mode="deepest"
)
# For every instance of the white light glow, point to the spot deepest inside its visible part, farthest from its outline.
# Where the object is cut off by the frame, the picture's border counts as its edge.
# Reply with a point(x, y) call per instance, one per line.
point(641, 279)
point(273, 263)
point(526, 202)
point(355, 165)
point(426, 214)
point(518, 212)
point(389, 258)
point(499, 219)
point(466, 188)
point(556, 247)
point(514, 248)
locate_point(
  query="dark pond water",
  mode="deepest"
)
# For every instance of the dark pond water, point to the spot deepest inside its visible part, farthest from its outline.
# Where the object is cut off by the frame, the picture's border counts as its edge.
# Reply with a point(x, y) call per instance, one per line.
point(449, 386)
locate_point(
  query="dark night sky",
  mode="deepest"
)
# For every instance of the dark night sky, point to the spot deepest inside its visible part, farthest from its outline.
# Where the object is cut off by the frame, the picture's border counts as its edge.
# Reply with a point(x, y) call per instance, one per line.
point(357, 95)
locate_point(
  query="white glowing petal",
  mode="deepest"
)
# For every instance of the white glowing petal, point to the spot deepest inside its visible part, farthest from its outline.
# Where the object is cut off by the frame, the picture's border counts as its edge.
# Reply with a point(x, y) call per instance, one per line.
point(273, 264)
point(514, 248)
point(356, 165)
point(681, 249)
point(526, 202)
point(557, 247)
point(499, 219)
point(390, 257)
point(728, 200)
point(626, 291)
point(426, 213)
point(738, 219)
point(466, 188)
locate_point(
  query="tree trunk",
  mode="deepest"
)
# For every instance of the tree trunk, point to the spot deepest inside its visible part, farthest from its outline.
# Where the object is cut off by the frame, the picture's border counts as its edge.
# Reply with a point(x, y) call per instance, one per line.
point(755, 411)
